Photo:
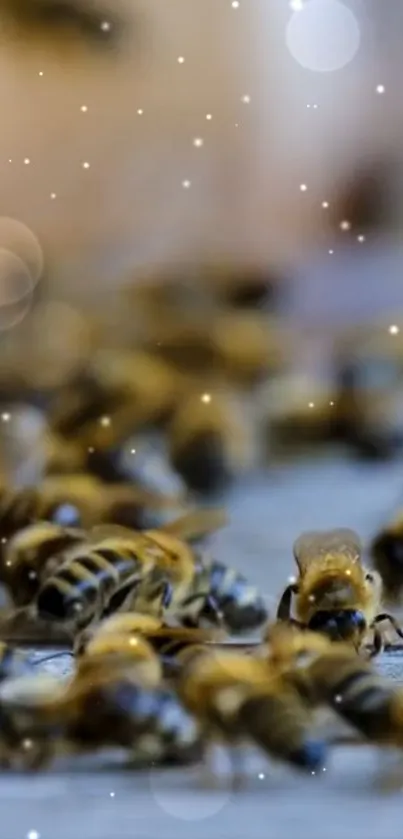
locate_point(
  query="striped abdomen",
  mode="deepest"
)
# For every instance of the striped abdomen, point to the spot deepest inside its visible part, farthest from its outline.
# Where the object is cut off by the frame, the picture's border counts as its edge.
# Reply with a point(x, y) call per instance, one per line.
point(221, 594)
point(83, 586)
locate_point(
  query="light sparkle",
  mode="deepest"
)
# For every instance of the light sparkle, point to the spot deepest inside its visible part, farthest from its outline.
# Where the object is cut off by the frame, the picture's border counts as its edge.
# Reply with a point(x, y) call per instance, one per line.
point(33, 834)
point(325, 205)
point(105, 26)
point(86, 165)
point(198, 142)
point(53, 195)
point(209, 116)
point(206, 398)
point(84, 108)
point(361, 239)
point(296, 5)
point(140, 112)
point(345, 225)
point(394, 329)
point(303, 187)
point(380, 88)
point(246, 99)
point(27, 161)
point(181, 59)
point(186, 184)
point(6, 416)
point(105, 422)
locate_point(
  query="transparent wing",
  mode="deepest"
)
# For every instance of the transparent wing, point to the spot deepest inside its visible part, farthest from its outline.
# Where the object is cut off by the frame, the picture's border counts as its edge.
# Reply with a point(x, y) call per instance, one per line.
point(316, 543)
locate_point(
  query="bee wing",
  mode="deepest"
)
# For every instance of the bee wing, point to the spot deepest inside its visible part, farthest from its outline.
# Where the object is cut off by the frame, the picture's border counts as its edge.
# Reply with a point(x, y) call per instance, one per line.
point(196, 524)
point(316, 543)
point(142, 495)
point(110, 531)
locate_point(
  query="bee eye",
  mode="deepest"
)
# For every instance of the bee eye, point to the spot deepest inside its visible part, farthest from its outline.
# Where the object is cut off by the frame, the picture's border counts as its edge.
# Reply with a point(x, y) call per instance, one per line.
point(369, 578)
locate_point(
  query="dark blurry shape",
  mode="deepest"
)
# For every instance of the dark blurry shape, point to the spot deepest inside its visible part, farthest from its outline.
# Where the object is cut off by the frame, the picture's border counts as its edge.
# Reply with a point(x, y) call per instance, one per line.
point(58, 19)
point(208, 442)
point(368, 371)
point(245, 288)
point(386, 550)
point(366, 200)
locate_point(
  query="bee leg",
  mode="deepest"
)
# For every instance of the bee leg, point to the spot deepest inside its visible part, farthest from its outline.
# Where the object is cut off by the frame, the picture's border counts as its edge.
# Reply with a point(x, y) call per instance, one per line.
point(284, 607)
point(378, 644)
point(385, 616)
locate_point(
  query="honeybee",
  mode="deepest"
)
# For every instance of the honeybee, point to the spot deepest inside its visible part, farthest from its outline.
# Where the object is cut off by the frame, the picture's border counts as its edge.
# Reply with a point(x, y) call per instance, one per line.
point(115, 648)
point(125, 623)
point(208, 442)
point(364, 699)
point(99, 708)
point(32, 554)
point(386, 550)
point(118, 567)
point(237, 699)
point(47, 20)
point(335, 593)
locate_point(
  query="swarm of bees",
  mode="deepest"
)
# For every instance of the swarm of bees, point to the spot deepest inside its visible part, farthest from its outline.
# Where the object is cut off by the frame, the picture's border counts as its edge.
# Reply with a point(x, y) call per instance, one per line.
point(152, 624)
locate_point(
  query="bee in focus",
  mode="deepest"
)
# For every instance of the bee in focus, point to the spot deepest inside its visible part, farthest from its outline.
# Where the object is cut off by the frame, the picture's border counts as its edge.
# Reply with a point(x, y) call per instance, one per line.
point(118, 568)
point(386, 550)
point(238, 700)
point(32, 554)
point(209, 442)
point(335, 593)
point(103, 706)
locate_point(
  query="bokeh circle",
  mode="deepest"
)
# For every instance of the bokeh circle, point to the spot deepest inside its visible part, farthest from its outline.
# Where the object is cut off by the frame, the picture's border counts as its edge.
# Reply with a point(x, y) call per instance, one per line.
point(323, 36)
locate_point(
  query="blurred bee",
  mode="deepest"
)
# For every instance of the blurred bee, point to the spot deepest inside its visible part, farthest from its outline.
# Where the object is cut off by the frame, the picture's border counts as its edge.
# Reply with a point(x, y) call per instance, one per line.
point(335, 593)
point(32, 554)
point(116, 648)
point(368, 373)
point(61, 19)
point(107, 574)
point(365, 700)
point(237, 699)
point(209, 442)
point(122, 393)
point(245, 289)
point(99, 708)
point(126, 623)
point(386, 550)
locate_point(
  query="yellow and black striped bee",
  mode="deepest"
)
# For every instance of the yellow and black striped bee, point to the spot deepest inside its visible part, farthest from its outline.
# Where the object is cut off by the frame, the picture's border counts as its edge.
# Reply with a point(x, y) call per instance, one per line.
point(120, 568)
point(104, 705)
point(335, 593)
point(32, 554)
point(237, 699)
point(386, 550)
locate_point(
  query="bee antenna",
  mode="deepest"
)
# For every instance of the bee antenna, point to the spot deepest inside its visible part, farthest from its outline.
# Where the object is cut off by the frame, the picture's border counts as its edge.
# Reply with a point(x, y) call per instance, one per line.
point(54, 655)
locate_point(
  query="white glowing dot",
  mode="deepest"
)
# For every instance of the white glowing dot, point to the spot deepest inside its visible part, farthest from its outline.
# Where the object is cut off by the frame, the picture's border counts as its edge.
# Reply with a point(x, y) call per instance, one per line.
point(209, 116)
point(325, 205)
point(181, 59)
point(186, 184)
point(133, 451)
point(236, 124)
point(91, 450)
point(312, 598)
point(27, 161)
point(246, 99)
point(33, 834)
point(27, 743)
point(6, 417)
point(311, 404)
point(394, 330)
point(112, 794)
point(140, 111)
point(303, 187)
point(105, 26)
point(105, 422)
point(235, 4)
point(380, 88)
point(8, 561)
point(296, 5)
point(133, 642)
point(198, 142)
point(331, 253)
point(206, 397)
point(84, 109)
point(32, 575)
point(324, 769)
point(324, 36)
point(53, 195)
point(361, 239)
point(261, 776)
point(315, 106)
point(345, 225)
point(4, 540)
point(331, 403)
point(313, 772)
point(338, 698)
point(86, 165)
point(9, 160)
point(348, 573)
point(292, 580)
point(40, 73)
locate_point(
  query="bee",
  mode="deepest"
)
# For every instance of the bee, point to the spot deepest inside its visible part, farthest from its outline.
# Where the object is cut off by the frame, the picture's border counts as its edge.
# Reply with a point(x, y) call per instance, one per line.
point(386, 550)
point(32, 554)
point(237, 699)
point(126, 623)
point(114, 647)
point(61, 19)
point(208, 442)
point(102, 706)
point(107, 574)
point(361, 697)
point(220, 595)
point(335, 593)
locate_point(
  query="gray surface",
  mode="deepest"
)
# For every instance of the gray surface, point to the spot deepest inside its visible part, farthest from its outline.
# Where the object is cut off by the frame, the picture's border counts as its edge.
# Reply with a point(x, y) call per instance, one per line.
point(348, 797)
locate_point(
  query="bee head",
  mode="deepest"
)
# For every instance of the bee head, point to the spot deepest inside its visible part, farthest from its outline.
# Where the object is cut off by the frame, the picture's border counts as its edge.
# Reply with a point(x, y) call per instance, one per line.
point(342, 625)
